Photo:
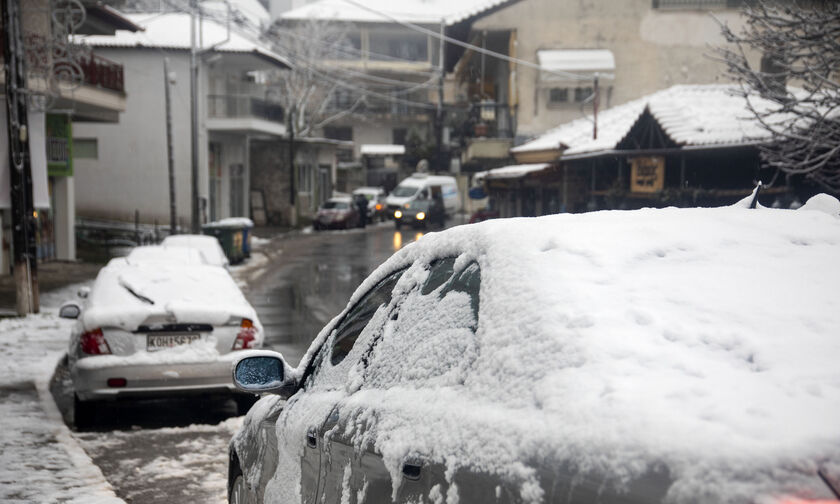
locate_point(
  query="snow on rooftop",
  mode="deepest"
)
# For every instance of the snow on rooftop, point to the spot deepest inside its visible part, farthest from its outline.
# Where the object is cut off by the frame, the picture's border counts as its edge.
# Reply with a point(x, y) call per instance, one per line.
point(698, 341)
point(382, 150)
point(512, 171)
point(691, 115)
point(382, 11)
point(172, 31)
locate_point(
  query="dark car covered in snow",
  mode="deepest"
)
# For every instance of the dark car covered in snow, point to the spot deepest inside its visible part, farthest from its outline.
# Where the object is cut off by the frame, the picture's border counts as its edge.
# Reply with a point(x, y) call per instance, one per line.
point(648, 356)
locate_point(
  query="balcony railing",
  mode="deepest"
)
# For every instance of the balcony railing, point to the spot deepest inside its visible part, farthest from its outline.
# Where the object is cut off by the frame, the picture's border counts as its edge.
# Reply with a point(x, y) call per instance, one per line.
point(234, 106)
point(102, 72)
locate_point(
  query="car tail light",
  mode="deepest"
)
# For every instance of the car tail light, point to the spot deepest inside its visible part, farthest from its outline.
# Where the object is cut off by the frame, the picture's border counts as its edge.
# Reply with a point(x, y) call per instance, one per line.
point(378, 206)
point(93, 343)
point(117, 382)
point(247, 337)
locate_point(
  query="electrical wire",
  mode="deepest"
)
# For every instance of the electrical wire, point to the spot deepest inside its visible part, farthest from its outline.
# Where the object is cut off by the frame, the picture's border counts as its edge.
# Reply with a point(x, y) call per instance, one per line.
point(481, 50)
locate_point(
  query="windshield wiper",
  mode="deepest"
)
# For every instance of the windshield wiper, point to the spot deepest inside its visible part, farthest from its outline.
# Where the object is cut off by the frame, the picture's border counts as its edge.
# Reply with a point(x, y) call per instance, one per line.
point(137, 295)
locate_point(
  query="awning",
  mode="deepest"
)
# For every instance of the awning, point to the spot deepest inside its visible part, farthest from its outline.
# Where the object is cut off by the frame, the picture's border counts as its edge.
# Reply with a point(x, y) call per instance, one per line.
point(555, 64)
point(382, 150)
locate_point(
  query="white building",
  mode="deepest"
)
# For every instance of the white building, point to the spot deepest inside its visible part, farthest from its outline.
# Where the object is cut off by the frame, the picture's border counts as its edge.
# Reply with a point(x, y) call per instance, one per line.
point(126, 170)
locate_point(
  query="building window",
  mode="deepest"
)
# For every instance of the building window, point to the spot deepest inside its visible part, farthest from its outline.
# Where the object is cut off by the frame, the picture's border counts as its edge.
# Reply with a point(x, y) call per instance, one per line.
point(557, 96)
point(304, 178)
point(339, 133)
point(398, 136)
point(85, 148)
point(581, 94)
point(406, 46)
point(214, 165)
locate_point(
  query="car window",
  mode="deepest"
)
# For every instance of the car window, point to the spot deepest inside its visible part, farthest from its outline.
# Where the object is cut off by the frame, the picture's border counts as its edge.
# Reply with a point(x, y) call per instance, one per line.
point(431, 340)
point(358, 317)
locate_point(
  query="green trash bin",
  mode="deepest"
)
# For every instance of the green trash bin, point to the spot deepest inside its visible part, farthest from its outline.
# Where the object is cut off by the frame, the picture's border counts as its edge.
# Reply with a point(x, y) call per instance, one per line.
point(231, 237)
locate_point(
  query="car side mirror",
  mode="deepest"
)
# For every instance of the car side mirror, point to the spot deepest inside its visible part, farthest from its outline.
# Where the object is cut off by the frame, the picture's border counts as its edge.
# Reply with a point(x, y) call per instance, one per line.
point(83, 292)
point(263, 372)
point(69, 311)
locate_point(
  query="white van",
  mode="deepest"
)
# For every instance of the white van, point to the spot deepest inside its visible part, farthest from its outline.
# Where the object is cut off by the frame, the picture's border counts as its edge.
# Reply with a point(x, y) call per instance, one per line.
point(424, 186)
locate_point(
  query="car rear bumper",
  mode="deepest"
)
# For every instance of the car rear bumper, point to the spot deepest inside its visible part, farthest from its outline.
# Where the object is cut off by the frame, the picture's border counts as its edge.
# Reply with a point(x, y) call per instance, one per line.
point(90, 380)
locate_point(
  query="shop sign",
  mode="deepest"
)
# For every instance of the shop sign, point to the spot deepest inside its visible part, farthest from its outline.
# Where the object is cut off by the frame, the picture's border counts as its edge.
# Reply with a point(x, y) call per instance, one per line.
point(647, 174)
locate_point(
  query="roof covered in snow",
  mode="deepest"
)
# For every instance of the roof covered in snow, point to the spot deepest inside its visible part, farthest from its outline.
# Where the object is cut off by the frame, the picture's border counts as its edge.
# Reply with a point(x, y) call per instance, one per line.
point(512, 171)
point(691, 116)
point(382, 150)
point(702, 341)
point(172, 31)
point(386, 11)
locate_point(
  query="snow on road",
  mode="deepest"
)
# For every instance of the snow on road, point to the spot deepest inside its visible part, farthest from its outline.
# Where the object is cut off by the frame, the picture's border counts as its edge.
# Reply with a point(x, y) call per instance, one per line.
point(40, 461)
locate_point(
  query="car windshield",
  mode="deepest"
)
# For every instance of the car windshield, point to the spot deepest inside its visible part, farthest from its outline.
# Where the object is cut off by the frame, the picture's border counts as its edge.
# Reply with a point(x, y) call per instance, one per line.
point(404, 191)
point(420, 204)
point(335, 205)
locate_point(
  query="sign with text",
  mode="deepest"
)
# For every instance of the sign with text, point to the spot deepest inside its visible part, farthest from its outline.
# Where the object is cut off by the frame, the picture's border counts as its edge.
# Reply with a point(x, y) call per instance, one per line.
point(647, 174)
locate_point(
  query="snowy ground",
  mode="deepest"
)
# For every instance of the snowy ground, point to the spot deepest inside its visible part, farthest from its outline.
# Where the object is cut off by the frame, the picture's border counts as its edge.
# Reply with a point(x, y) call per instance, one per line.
point(40, 460)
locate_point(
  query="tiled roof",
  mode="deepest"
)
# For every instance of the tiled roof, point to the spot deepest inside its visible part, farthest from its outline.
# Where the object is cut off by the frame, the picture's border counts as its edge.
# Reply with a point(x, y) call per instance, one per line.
point(412, 11)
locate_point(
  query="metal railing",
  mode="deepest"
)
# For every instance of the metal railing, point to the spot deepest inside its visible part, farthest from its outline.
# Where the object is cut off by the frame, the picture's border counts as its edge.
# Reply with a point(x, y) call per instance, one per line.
point(232, 106)
point(102, 72)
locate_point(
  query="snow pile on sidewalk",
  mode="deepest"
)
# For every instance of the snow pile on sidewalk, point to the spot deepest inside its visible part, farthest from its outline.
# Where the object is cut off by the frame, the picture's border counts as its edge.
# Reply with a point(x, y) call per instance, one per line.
point(39, 459)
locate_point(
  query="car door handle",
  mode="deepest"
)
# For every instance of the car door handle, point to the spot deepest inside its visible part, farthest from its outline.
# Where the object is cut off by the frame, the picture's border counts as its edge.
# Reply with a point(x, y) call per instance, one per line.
point(412, 471)
point(311, 439)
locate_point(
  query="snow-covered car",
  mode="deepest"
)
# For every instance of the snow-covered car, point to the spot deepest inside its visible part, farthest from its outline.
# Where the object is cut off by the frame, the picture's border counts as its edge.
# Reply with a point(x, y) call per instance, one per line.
point(207, 246)
point(376, 202)
point(151, 328)
point(337, 212)
point(648, 356)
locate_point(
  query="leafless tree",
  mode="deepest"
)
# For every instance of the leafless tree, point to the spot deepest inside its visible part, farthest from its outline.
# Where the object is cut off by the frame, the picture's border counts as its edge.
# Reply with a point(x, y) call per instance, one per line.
point(798, 77)
point(312, 89)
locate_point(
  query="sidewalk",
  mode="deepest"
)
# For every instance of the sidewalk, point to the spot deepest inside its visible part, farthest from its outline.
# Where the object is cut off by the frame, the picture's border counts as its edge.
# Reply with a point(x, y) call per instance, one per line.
point(51, 276)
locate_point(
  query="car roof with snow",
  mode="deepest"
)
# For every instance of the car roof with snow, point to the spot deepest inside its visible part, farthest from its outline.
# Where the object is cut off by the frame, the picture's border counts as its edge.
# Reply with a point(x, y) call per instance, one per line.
point(159, 254)
point(129, 293)
point(700, 340)
point(369, 190)
point(208, 247)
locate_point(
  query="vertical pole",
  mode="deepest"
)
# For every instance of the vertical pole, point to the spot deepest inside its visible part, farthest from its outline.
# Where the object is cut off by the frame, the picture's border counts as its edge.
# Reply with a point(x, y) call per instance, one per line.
point(196, 217)
point(25, 265)
point(170, 154)
point(595, 104)
point(439, 111)
point(292, 169)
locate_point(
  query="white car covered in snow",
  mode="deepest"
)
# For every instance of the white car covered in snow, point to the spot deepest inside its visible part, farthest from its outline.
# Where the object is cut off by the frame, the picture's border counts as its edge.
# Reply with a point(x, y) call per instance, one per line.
point(208, 246)
point(648, 356)
point(152, 327)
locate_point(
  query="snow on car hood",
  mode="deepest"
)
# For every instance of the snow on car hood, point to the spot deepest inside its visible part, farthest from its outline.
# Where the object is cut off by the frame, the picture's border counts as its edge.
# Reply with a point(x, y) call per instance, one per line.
point(702, 340)
point(126, 295)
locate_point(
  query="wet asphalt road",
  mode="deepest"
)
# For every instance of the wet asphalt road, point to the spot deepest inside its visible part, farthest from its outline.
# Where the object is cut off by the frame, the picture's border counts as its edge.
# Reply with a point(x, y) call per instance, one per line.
point(176, 450)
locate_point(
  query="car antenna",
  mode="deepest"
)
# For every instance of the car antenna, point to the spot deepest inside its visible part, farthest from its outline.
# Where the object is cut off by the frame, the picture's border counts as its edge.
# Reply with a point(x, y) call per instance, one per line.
point(757, 190)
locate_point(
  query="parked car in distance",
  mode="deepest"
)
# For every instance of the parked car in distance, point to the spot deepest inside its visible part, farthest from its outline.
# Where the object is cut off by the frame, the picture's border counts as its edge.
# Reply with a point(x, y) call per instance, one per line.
point(336, 213)
point(376, 202)
point(648, 356)
point(150, 328)
point(207, 246)
point(420, 213)
point(483, 215)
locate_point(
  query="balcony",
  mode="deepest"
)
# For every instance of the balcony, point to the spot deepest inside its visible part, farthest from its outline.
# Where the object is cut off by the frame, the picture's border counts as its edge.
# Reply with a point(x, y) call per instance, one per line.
point(244, 113)
point(102, 73)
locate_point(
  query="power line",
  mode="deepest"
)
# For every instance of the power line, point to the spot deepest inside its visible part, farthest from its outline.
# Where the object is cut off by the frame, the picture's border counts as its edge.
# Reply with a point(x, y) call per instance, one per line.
point(481, 50)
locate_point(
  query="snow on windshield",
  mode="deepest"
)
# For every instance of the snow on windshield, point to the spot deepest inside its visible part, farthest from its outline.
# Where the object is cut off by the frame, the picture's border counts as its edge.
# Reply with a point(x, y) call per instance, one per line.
point(701, 340)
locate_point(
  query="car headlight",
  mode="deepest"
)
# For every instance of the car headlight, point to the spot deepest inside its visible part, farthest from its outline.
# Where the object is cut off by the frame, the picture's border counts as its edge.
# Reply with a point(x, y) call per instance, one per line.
point(421, 215)
point(397, 214)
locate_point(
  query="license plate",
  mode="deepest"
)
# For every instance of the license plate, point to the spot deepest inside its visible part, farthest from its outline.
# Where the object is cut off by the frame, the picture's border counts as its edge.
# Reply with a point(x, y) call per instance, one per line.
point(161, 341)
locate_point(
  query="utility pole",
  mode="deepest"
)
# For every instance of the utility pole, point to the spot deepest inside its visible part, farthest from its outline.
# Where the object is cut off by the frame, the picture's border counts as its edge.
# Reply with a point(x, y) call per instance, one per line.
point(196, 217)
point(292, 170)
point(23, 240)
point(439, 112)
point(595, 103)
point(168, 80)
